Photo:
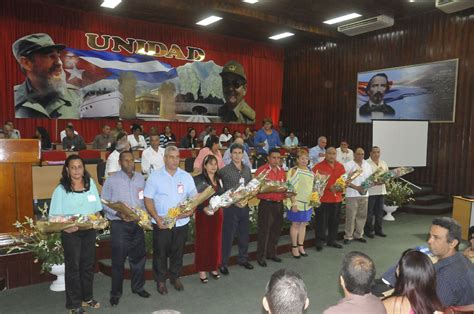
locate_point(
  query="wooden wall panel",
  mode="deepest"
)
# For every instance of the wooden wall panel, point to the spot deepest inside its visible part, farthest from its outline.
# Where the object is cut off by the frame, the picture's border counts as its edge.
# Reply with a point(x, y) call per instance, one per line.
point(319, 90)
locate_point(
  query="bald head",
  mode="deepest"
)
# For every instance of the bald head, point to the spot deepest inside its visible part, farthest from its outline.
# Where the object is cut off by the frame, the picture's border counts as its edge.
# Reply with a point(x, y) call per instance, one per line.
point(359, 154)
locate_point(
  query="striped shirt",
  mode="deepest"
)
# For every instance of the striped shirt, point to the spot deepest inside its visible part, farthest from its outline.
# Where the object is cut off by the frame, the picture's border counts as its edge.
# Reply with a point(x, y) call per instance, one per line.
point(121, 188)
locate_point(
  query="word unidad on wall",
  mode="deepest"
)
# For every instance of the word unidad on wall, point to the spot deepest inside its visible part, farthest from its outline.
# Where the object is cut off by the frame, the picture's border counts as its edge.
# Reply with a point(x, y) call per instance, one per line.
point(144, 47)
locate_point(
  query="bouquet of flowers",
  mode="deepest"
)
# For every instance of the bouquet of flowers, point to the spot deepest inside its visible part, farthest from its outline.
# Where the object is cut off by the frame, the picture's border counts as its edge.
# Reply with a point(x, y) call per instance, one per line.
point(186, 206)
point(380, 176)
point(319, 184)
point(240, 195)
point(134, 213)
point(83, 222)
point(345, 180)
point(270, 186)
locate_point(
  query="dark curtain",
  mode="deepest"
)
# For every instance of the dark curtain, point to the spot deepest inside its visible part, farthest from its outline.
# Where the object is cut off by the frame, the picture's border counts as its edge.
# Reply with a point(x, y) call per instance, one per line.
point(263, 63)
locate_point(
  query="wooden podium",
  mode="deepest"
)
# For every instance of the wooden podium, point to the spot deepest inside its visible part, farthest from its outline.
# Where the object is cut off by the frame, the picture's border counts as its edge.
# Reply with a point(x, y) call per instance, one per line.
point(463, 212)
point(16, 181)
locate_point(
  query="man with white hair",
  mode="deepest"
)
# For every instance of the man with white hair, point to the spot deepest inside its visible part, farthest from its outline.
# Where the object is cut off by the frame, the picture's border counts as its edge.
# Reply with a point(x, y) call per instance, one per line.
point(113, 164)
point(285, 293)
point(318, 152)
point(44, 93)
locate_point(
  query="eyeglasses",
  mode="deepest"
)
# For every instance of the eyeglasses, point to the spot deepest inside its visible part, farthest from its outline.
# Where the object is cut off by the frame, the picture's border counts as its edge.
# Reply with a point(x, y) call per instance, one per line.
point(236, 83)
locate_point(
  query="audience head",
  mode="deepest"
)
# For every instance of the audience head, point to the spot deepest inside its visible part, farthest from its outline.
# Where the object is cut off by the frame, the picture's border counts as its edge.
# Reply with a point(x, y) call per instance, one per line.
point(212, 132)
point(106, 130)
point(238, 140)
point(292, 135)
point(375, 153)
point(7, 130)
point(74, 169)
point(171, 157)
point(302, 158)
point(153, 130)
point(274, 157)
point(155, 141)
point(127, 162)
point(331, 154)
point(213, 143)
point(247, 131)
point(122, 143)
point(70, 131)
point(225, 130)
point(285, 293)
point(359, 154)
point(357, 273)
point(322, 141)
point(344, 145)
point(191, 132)
point(267, 124)
point(119, 126)
point(136, 129)
point(167, 129)
point(445, 236)
point(236, 134)
point(416, 280)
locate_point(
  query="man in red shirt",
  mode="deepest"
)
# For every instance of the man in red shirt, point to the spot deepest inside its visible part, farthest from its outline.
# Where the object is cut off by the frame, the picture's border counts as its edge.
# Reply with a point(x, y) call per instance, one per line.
point(327, 215)
point(270, 211)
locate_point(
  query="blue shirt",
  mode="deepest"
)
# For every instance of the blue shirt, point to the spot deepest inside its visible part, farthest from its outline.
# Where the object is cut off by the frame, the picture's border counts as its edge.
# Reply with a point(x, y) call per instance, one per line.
point(121, 188)
point(167, 191)
point(314, 155)
point(72, 203)
point(272, 140)
point(228, 158)
point(454, 280)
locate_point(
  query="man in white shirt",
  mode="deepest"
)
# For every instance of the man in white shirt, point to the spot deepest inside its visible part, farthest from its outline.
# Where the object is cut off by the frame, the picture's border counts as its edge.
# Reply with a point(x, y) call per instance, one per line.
point(344, 153)
point(356, 203)
point(62, 135)
point(153, 156)
point(377, 194)
point(318, 152)
point(113, 164)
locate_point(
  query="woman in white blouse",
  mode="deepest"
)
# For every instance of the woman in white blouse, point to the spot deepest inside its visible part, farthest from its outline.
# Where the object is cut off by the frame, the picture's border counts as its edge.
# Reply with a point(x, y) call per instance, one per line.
point(136, 140)
point(225, 137)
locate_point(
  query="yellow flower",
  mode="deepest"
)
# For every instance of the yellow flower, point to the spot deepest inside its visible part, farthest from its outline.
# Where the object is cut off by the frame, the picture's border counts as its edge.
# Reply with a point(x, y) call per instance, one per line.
point(315, 197)
point(174, 212)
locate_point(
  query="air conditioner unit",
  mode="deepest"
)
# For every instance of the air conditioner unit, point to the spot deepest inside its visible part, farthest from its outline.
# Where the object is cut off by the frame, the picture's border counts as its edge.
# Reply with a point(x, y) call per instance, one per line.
point(367, 25)
point(450, 6)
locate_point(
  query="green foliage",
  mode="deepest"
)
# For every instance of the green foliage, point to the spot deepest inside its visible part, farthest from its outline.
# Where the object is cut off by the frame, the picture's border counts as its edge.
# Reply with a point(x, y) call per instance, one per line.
point(398, 193)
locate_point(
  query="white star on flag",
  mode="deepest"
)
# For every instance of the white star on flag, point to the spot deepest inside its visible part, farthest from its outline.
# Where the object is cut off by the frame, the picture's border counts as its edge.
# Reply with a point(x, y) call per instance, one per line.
point(75, 72)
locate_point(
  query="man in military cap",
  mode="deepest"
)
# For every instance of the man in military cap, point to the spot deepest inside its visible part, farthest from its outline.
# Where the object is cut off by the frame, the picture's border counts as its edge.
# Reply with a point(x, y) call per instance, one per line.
point(44, 93)
point(234, 86)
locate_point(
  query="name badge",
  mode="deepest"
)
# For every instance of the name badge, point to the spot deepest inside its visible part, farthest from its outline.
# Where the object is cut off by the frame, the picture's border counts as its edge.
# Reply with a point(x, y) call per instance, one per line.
point(180, 189)
point(91, 198)
point(140, 195)
point(242, 181)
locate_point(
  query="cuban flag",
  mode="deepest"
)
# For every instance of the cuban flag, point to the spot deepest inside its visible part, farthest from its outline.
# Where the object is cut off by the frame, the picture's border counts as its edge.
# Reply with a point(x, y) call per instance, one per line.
point(85, 67)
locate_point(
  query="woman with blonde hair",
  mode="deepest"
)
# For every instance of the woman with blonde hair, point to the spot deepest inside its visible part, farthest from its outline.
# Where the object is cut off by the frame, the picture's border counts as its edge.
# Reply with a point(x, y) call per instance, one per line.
point(299, 210)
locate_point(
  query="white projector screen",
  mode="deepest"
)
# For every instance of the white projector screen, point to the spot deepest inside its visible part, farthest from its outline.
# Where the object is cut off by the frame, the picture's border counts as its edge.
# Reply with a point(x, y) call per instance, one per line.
point(402, 143)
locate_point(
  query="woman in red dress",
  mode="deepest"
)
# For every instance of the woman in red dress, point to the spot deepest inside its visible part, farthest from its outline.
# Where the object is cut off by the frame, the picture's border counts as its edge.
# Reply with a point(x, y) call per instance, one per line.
point(208, 241)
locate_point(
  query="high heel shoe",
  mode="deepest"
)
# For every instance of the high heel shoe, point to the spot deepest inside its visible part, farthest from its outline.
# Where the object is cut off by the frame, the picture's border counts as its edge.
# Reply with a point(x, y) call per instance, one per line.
point(302, 253)
point(295, 247)
point(215, 275)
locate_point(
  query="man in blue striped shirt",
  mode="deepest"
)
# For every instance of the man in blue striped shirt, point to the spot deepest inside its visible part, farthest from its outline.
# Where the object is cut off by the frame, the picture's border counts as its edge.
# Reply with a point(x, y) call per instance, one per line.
point(127, 237)
point(165, 189)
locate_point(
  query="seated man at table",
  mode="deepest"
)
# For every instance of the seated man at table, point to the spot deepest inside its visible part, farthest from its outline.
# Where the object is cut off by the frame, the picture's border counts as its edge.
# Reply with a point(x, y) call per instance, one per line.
point(153, 156)
point(454, 272)
point(113, 164)
point(73, 142)
point(103, 140)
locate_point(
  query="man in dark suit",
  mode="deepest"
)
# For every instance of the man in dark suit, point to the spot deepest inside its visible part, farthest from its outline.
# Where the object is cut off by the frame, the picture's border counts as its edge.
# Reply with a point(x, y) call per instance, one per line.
point(376, 89)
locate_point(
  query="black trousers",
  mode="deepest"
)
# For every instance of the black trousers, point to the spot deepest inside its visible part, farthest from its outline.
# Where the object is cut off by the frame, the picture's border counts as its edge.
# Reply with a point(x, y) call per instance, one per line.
point(128, 239)
point(168, 243)
point(79, 259)
point(327, 222)
point(375, 213)
point(236, 220)
point(269, 220)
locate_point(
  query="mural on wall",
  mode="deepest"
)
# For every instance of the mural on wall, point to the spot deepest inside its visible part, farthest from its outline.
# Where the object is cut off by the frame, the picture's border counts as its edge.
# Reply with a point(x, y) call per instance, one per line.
point(128, 82)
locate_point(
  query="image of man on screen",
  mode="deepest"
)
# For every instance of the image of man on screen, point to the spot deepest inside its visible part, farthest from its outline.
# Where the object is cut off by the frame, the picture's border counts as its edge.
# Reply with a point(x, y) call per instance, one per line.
point(376, 89)
point(44, 93)
point(234, 86)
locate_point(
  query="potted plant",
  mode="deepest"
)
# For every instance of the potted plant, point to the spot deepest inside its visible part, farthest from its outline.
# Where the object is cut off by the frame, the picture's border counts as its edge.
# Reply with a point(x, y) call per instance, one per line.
point(46, 248)
point(398, 194)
